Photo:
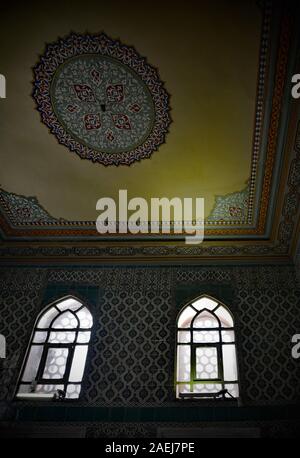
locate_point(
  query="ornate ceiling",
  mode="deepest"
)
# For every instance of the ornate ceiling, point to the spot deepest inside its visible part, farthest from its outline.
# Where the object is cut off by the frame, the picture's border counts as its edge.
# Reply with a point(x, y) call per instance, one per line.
point(158, 106)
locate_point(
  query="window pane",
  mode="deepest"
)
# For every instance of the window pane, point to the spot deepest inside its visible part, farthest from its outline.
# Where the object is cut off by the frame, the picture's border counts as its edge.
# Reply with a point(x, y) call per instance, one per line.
point(71, 304)
point(32, 364)
point(233, 389)
point(184, 336)
point(73, 391)
point(55, 366)
point(47, 318)
point(85, 318)
point(183, 389)
point(24, 389)
point(206, 336)
point(66, 320)
point(78, 363)
point(225, 317)
point(207, 388)
point(41, 391)
point(205, 303)
point(62, 337)
point(228, 336)
point(206, 363)
point(183, 363)
point(48, 389)
point(185, 318)
point(39, 337)
point(205, 320)
point(229, 362)
point(84, 337)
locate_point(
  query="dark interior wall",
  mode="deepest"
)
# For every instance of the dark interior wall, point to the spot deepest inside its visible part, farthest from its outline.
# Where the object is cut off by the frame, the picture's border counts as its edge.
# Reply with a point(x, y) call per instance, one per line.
point(131, 358)
point(297, 264)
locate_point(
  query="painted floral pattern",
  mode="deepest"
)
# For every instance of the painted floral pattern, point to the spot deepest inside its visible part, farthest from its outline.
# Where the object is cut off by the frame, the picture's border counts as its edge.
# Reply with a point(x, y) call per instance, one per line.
point(101, 99)
point(104, 97)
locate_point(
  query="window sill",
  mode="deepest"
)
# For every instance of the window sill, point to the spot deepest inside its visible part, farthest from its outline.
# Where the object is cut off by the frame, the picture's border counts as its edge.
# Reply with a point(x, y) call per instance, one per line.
point(41, 397)
point(210, 402)
point(30, 396)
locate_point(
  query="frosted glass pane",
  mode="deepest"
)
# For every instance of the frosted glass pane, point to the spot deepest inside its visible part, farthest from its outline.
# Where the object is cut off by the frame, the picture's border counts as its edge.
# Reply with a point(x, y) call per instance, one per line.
point(85, 318)
point(206, 363)
point(233, 389)
point(47, 318)
point(183, 389)
point(84, 337)
point(39, 337)
point(185, 318)
point(66, 320)
point(62, 337)
point(78, 364)
point(207, 388)
point(73, 391)
point(225, 317)
point(205, 303)
point(206, 336)
point(24, 389)
point(32, 363)
point(183, 363)
point(228, 336)
point(229, 362)
point(48, 389)
point(184, 336)
point(55, 366)
point(205, 320)
point(71, 304)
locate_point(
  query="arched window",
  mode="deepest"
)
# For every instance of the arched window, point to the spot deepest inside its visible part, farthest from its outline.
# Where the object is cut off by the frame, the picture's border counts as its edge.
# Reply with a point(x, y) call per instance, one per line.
point(206, 364)
point(56, 357)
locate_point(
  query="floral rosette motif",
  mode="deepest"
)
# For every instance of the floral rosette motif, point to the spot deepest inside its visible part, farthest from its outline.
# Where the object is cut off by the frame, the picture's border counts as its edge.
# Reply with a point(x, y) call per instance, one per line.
point(101, 99)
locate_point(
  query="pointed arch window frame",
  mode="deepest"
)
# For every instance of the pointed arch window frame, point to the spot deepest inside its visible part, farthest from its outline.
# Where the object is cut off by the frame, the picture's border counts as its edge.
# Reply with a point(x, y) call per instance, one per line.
point(194, 380)
point(47, 345)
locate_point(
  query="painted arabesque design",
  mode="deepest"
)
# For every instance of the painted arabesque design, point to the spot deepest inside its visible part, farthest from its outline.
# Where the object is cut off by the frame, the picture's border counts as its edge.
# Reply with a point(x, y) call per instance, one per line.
point(101, 99)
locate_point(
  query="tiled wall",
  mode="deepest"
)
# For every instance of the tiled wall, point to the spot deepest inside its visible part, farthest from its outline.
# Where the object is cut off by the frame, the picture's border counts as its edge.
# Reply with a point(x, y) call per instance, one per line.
point(131, 359)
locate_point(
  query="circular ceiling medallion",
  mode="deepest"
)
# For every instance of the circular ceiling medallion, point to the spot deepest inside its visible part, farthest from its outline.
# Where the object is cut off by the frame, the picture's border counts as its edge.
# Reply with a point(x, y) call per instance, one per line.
point(101, 99)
